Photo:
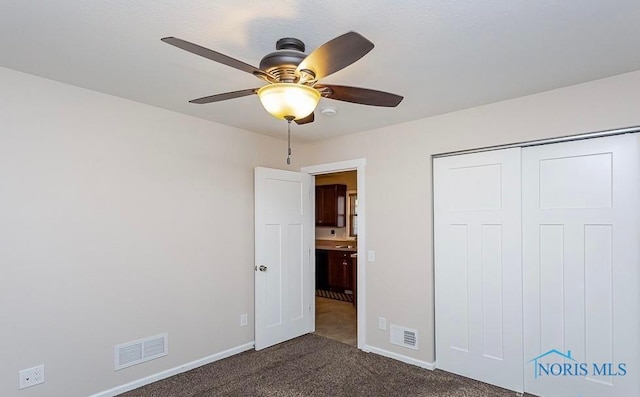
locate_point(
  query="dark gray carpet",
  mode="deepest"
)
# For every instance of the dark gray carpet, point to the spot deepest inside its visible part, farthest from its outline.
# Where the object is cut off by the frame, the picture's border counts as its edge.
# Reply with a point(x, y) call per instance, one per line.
point(314, 366)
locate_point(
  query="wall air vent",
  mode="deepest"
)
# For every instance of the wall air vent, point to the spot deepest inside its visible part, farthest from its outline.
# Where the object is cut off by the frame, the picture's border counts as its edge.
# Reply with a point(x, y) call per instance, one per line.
point(405, 337)
point(139, 351)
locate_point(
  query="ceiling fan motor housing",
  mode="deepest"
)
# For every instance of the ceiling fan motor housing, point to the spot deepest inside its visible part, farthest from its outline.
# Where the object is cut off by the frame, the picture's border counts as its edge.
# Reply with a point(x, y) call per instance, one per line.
point(283, 62)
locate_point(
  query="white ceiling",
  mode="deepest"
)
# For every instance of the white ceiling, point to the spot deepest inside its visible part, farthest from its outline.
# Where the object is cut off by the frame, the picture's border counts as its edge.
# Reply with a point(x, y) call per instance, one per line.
point(441, 55)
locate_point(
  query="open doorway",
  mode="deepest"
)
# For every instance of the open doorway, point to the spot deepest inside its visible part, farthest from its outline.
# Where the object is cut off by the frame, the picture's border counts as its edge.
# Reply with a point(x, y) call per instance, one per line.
point(356, 239)
point(336, 231)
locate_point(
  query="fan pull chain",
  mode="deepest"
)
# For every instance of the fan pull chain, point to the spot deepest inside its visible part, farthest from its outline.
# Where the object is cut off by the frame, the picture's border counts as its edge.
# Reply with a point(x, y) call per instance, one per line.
point(288, 141)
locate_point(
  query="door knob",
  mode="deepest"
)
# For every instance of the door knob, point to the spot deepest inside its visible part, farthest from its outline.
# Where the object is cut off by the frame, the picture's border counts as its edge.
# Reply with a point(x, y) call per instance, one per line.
point(262, 268)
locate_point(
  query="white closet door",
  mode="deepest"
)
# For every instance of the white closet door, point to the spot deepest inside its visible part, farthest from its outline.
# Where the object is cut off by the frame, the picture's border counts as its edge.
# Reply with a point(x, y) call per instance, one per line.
point(478, 266)
point(581, 260)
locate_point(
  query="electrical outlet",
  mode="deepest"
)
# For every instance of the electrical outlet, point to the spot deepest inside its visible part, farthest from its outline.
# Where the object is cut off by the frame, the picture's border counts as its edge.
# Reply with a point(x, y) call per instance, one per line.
point(243, 320)
point(31, 376)
point(382, 323)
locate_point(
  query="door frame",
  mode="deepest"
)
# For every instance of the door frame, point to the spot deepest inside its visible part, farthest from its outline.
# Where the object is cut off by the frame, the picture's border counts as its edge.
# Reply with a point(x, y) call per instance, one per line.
point(357, 165)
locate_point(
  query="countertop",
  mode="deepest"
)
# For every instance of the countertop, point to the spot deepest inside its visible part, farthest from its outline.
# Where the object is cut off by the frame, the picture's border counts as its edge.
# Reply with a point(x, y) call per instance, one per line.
point(332, 245)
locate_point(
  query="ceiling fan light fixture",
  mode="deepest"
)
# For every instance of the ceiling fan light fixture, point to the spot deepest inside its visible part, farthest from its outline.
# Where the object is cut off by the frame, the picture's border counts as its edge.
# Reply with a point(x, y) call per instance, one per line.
point(286, 100)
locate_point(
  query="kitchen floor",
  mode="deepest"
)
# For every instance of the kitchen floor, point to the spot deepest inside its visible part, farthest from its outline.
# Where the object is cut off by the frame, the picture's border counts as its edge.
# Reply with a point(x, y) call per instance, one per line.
point(336, 320)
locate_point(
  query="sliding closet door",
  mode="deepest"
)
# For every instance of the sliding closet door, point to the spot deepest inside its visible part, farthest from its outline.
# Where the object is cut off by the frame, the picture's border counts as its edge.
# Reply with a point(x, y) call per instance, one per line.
point(581, 260)
point(478, 266)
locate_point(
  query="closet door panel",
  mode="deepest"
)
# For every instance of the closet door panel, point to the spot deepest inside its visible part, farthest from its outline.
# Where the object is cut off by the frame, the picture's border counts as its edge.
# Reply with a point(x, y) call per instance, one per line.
point(478, 266)
point(581, 259)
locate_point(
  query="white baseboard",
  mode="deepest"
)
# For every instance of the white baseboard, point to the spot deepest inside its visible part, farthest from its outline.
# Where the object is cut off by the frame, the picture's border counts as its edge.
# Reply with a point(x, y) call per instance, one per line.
point(400, 357)
point(174, 371)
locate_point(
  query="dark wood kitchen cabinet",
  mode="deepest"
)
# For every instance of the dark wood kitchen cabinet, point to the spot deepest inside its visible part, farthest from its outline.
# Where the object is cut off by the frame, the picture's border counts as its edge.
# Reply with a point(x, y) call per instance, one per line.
point(331, 205)
point(322, 269)
point(340, 275)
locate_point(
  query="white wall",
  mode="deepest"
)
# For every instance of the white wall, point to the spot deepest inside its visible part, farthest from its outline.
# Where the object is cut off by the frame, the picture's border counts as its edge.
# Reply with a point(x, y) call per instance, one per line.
point(118, 221)
point(398, 181)
point(114, 220)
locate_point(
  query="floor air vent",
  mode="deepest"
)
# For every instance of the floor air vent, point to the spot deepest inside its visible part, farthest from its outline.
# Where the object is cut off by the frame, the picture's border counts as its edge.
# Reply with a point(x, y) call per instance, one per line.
point(403, 336)
point(136, 352)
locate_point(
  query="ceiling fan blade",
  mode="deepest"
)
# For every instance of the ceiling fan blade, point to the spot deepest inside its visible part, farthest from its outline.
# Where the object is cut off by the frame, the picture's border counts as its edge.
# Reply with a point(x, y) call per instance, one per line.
point(363, 96)
point(336, 54)
point(213, 55)
point(306, 120)
point(224, 96)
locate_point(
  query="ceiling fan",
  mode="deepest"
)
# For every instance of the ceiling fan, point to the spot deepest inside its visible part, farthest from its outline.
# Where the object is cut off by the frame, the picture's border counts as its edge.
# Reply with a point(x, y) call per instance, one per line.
point(293, 88)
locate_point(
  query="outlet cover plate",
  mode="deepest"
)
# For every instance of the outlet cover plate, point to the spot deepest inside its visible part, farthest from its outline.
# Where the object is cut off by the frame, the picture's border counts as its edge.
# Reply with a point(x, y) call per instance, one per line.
point(31, 376)
point(371, 256)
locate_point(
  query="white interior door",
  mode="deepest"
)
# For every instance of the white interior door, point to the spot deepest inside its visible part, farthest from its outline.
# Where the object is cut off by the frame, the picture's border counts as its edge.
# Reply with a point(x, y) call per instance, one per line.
point(283, 233)
point(581, 260)
point(478, 272)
